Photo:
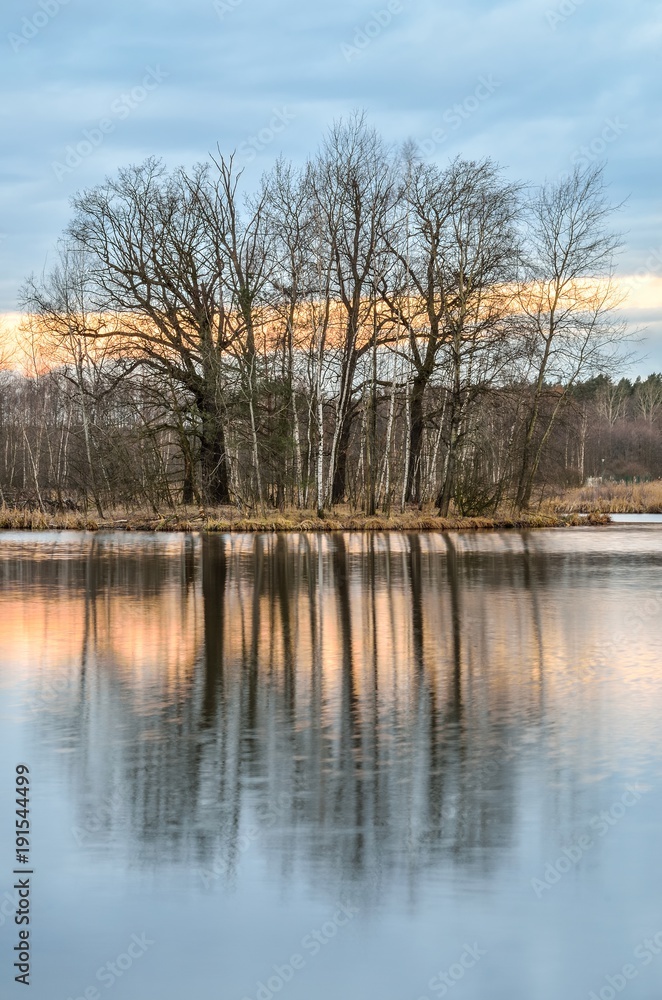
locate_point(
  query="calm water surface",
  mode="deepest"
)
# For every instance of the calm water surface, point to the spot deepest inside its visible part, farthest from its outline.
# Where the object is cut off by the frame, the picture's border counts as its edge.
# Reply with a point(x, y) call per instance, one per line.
point(336, 767)
point(636, 518)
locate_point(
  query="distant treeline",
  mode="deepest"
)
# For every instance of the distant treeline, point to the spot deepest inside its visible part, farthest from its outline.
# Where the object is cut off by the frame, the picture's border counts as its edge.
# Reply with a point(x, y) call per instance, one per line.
point(367, 329)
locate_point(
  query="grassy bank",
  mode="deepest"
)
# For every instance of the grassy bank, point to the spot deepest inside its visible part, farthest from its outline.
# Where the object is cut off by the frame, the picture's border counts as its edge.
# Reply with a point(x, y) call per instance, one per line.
point(229, 519)
point(610, 498)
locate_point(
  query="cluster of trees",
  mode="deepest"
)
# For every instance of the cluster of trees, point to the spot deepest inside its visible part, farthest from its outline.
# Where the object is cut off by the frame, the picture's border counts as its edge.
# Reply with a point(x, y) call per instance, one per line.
point(369, 328)
point(617, 429)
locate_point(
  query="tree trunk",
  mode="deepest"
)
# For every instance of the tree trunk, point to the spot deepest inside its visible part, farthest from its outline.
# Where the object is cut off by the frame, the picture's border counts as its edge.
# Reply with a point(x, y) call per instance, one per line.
point(525, 482)
point(447, 487)
point(213, 458)
point(188, 486)
point(339, 488)
point(415, 441)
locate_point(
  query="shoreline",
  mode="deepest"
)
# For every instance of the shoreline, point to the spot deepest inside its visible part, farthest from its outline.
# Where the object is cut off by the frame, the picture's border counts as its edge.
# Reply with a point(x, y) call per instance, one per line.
point(292, 522)
point(592, 505)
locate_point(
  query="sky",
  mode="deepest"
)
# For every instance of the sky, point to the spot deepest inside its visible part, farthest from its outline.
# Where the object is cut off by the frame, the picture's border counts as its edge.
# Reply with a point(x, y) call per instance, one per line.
point(537, 85)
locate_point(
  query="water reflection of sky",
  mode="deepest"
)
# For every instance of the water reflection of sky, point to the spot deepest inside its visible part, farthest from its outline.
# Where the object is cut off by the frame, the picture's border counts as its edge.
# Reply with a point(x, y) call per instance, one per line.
point(230, 734)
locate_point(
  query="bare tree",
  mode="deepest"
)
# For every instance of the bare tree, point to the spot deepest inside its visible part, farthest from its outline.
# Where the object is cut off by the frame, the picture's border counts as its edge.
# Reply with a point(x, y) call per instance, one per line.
point(294, 286)
point(648, 398)
point(158, 268)
point(353, 187)
point(65, 332)
point(568, 297)
point(457, 251)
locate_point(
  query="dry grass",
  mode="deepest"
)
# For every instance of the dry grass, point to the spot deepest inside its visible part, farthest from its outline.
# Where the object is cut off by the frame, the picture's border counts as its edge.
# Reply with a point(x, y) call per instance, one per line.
point(345, 520)
point(610, 498)
point(14, 519)
point(229, 519)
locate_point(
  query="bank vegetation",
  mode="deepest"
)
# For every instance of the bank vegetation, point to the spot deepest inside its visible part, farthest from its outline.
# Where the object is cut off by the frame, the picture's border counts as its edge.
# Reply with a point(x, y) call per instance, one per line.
point(367, 333)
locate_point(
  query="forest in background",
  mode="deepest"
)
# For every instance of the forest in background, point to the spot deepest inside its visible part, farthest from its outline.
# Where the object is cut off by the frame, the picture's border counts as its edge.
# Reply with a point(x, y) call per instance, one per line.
point(369, 330)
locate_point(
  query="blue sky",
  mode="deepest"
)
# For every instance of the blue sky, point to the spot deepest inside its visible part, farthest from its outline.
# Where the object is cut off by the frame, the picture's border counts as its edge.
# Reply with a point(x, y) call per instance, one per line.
point(535, 84)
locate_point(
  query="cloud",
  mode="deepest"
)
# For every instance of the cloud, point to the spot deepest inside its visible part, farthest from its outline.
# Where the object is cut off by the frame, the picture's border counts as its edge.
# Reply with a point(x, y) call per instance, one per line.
point(228, 69)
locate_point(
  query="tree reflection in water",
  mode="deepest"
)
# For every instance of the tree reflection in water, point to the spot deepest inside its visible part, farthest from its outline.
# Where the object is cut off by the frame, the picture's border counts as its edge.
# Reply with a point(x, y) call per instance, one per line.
point(349, 705)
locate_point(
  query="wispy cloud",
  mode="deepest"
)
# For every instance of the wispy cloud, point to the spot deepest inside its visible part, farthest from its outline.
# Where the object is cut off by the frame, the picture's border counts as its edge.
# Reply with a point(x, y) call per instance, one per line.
point(233, 61)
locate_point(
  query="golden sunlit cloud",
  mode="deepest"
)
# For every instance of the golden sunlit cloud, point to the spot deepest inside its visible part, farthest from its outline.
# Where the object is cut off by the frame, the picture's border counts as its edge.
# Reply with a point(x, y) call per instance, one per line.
point(640, 293)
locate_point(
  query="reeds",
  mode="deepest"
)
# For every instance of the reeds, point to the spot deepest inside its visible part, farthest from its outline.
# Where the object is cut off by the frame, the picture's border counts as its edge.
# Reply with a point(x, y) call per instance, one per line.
point(610, 498)
point(19, 519)
point(398, 522)
point(230, 520)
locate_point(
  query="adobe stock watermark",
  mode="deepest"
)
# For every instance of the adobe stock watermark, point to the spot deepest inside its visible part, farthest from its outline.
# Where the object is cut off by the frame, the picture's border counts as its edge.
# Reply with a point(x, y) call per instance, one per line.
point(503, 753)
point(644, 953)
point(281, 119)
point(652, 268)
point(557, 15)
point(109, 973)
point(635, 621)
point(8, 906)
point(31, 26)
point(121, 108)
point(365, 34)
point(445, 980)
point(267, 817)
point(311, 944)
point(593, 151)
point(225, 7)
point(600, 825)
point(454, 117)
point(94, 821)
point(50, 693)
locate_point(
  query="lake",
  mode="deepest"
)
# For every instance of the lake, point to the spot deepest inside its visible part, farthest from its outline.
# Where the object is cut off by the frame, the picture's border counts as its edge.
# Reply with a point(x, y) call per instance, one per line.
point(335, 767)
